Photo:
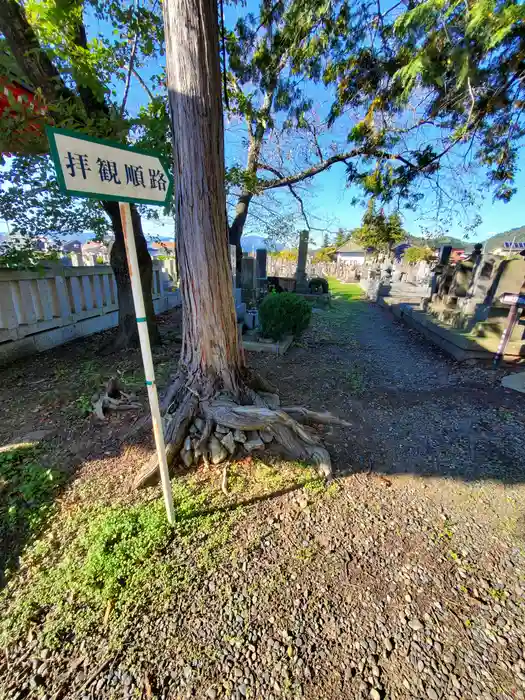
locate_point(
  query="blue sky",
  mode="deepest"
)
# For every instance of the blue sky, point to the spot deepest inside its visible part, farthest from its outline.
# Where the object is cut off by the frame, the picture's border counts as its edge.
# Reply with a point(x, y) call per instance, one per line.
point(329, 200)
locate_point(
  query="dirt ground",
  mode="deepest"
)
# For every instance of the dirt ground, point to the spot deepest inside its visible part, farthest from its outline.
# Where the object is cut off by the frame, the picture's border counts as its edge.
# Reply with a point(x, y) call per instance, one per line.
point(404, 578)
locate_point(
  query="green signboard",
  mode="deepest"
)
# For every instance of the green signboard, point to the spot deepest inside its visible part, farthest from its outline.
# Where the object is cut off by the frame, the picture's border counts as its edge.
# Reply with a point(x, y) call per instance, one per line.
point(100, 169)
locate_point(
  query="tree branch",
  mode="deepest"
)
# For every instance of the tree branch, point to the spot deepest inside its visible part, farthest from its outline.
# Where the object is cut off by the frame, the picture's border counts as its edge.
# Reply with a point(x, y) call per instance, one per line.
point(301, 206)
point(143, 83)
point(91, 101)
point(128, 76)
point(25, 47)
point(273, 170)
point(313, 131)
point(285, 181)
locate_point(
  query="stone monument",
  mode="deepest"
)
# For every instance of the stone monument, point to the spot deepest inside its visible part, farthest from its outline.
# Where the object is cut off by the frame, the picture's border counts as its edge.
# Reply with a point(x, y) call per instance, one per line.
point(301, 284)
point(248, 279)
point(260, 269)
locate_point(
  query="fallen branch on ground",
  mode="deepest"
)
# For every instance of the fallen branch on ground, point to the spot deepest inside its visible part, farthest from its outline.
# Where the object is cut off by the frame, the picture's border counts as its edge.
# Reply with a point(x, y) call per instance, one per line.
point(114, 399)
point(224, 480)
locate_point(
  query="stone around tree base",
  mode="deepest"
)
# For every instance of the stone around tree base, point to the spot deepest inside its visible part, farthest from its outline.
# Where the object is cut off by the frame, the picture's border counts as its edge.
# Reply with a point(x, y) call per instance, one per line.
point(253, 344)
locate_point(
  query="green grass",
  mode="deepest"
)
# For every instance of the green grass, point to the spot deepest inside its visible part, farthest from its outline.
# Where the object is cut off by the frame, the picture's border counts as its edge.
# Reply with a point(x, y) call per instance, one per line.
point(127, 558)
point(27, 492)
point(355, 380)
point(84, 405)
point(124, 557)
point(347, 292)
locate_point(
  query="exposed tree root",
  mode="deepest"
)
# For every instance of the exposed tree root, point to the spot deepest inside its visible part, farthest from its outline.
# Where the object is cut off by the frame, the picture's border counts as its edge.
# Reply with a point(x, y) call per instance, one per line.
point(115, 399)
point(204, 424)
point(303, 415)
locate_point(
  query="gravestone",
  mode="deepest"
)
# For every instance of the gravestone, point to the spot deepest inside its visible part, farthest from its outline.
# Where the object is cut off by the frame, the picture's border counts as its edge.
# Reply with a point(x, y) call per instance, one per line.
point(248, 280)
point(476, 254)
point(492, 277)
point(444, 254)
point(511, 277)
point(301, 285)
point(462, 279)
point(479, 291)
point(240, 306)
point(233, 264)
point(260, 268)
point(438, 283)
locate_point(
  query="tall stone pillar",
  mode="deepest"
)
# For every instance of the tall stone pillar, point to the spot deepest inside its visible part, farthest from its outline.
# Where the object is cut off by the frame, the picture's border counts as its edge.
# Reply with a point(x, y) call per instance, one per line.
point(300, 275)
point(233, 264)
point(248, 279)
point(260, 268)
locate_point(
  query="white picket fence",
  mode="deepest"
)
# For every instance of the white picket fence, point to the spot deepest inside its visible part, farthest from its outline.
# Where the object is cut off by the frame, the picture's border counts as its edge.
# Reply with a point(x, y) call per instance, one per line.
point(45, 308)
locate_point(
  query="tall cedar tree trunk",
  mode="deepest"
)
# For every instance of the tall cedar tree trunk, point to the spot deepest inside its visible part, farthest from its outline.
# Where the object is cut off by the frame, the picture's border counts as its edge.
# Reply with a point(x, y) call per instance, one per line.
point(210, 347)
point(127, 333)
point(38, 68)
point(212, 381)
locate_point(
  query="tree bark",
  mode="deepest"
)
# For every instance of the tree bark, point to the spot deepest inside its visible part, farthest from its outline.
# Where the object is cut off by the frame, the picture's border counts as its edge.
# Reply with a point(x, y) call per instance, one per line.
point(127, 334)
point(210, 348)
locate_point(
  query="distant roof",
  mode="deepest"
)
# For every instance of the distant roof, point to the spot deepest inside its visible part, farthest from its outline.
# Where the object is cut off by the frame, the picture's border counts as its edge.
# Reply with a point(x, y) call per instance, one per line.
point(93, 244)
point(166, 245)
point(350, 247)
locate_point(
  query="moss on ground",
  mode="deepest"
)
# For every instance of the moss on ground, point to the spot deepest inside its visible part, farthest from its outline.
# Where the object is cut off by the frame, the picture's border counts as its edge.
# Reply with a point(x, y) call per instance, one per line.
point(98, 566)
point(27, 491)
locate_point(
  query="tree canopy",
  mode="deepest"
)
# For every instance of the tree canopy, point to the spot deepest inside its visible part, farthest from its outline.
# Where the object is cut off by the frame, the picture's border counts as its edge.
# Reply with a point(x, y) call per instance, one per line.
point(379, 230)
point(417, 253)
point(81, 80)
point(424, 100)
point(418, 92)
point(46, 210)
point(326, 254)
point(435, 78)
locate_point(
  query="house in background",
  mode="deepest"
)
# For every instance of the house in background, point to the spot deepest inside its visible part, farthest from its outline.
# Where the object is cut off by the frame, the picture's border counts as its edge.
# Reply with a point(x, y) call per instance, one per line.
point(95, 250)
point(351, 253)
point(72, 247)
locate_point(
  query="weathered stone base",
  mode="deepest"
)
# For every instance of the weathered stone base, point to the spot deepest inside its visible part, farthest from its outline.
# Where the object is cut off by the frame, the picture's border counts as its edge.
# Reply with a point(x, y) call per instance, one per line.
point(459, 344)
point(252, 344)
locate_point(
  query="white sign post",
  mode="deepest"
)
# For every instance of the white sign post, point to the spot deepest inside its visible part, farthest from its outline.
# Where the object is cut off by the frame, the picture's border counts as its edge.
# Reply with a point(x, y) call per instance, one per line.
point(97, 169)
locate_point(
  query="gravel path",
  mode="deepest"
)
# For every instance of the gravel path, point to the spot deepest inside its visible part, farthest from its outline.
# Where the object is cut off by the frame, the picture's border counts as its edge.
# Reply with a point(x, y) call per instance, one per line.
point(414, 410)
point(403, 579)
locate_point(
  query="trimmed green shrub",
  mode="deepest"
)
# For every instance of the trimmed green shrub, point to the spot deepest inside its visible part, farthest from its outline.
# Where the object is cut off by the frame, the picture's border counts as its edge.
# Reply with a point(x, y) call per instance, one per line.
point(284, 314)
